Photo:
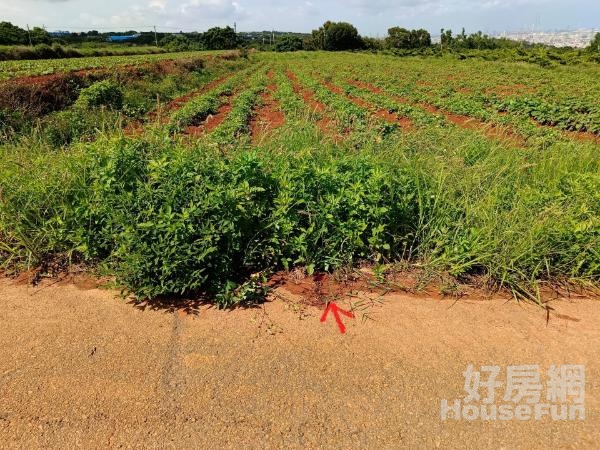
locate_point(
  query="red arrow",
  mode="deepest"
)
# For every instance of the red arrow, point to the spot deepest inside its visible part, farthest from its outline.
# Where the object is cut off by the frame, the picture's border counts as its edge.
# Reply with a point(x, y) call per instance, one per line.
point(336, 310)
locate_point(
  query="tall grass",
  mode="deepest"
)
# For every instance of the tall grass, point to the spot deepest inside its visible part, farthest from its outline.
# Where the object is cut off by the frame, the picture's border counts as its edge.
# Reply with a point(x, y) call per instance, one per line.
point(170, 218)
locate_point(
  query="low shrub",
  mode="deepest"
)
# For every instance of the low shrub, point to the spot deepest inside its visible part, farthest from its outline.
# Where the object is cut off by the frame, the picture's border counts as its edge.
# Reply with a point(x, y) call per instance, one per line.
point(64, 127)
point(102, 93)
point(173, 221)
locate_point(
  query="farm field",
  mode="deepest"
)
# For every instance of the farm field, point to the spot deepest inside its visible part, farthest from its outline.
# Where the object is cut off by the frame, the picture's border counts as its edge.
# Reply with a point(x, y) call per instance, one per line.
point(11, 69)
point(208, 174)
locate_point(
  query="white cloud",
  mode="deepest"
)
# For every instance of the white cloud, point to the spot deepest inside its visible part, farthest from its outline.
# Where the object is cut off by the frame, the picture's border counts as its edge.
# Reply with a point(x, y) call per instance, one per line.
point(370, 16)
point(158, 5)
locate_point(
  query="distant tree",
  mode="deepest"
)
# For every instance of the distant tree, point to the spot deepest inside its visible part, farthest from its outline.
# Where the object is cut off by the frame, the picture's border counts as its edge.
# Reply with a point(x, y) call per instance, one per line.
point(288, 44)
point(595, 44)
point(421, 38)
point(220, 39)
point(398, 38)
point(12, 35)
point(40, 36)
point(336, 36)
point(474, 41)
point(373, 44)
point(401, 38)
point(446, 39)
point(179, 43)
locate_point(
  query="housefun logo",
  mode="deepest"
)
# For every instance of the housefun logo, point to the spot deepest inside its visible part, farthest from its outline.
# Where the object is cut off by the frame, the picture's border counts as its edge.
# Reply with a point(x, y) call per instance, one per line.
point(525, 397)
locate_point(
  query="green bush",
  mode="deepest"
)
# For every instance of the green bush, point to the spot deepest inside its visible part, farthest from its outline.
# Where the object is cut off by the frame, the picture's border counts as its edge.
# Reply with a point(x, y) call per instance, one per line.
point(289, 44)
point(180, 222)
point(102, 93)
point(173, 221)
point(72, 125)
point(64, 127)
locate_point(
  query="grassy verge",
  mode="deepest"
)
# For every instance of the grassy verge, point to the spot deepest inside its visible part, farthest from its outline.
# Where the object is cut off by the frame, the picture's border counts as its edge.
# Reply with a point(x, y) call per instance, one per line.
point(169, 219)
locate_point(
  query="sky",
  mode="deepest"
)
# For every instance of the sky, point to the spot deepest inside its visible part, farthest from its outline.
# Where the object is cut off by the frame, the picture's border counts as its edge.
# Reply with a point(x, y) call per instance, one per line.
point(371, 17)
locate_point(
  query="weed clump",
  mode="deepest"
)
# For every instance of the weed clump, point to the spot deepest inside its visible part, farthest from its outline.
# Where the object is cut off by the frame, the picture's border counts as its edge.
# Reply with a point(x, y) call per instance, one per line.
point(102, 93)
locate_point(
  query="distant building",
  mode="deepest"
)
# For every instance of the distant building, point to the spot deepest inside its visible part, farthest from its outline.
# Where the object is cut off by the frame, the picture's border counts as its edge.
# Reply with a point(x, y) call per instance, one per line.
point(133, 37)
point(574, 38)
point(59, 33)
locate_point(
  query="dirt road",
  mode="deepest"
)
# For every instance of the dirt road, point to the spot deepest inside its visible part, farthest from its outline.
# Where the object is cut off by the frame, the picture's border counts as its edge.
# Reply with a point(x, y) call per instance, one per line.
point(82, 368)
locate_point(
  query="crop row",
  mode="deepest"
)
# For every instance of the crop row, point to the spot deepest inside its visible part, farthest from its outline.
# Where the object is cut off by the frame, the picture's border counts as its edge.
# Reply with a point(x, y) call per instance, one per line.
point(11, 69)
point(453, 103)
point(200, 107)
point(242, 107)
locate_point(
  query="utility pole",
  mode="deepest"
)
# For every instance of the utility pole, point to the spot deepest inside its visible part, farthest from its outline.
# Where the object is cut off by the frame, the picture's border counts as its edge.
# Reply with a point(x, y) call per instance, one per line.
point(235, 27)
point(29, 36)
point(155, 36)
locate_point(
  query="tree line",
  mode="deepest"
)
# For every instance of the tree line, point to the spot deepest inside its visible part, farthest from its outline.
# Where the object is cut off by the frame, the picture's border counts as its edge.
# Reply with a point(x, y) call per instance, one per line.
point(331, 36)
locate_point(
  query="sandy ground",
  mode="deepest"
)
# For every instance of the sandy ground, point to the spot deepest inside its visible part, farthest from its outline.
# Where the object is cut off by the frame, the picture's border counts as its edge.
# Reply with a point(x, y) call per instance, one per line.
point(83, 368)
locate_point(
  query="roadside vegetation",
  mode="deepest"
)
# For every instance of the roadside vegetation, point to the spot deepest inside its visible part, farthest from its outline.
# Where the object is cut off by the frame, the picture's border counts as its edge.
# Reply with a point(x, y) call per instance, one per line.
point(471, 168)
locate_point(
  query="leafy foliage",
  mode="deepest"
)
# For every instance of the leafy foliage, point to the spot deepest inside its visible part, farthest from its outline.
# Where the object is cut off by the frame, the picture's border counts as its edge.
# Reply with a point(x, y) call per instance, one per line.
point(220, 39)
point(402, 38)
point(102, 93)
point(336, 36)
point(595, 44)
point(289, 44)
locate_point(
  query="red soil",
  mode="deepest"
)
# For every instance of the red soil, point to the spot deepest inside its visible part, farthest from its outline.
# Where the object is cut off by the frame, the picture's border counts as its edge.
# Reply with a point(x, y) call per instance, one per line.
point(162, 112)
point(211, 122)
point(583, 136)
point(178, 102)
point(268, 117)
point(322, 288)
point(307, 96)
point(403, 122)
point(333, 88)
point(326, 124)
point(504, 134)
point(362, 85)
point(466, 122)
point(46, 79)
point(166, 66)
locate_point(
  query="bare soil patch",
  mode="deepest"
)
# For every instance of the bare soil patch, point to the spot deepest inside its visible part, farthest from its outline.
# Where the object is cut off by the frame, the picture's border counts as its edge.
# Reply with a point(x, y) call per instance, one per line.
point(268, 116)
point(178, 102)
point(211, 122)
point(274, 376)
point(162, 112)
